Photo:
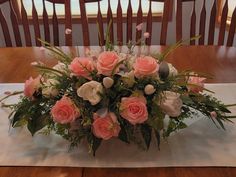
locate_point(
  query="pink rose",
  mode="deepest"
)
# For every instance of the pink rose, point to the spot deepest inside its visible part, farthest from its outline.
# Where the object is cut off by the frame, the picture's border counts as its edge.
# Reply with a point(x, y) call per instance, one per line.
point(145, 66)
point(106, 63)
point(64, 111)
point(82, 66)
point(134, 109)
point(31, 86)
point(105, 127)
point(197, 84)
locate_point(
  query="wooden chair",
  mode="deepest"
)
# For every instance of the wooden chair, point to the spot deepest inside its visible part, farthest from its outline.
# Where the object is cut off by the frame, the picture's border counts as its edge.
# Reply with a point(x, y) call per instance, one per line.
point(14, 23)
point(68, 23)
point(120, 21)
point(202, 23)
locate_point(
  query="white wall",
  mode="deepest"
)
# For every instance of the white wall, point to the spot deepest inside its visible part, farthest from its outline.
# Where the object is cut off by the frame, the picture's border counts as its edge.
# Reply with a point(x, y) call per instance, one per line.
point(77, 32)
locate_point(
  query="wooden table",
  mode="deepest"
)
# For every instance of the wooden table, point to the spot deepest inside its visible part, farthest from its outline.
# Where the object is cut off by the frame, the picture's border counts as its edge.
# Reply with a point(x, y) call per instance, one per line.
point(219, 61)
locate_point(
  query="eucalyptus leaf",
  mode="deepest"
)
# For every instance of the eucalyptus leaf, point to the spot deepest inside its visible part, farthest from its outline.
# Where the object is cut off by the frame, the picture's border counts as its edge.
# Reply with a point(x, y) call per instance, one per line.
point(146, 131)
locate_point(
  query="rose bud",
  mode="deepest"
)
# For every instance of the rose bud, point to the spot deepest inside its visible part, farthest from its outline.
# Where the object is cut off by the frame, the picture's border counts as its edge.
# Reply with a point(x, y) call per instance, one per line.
point(149, 89)
point(107, 82)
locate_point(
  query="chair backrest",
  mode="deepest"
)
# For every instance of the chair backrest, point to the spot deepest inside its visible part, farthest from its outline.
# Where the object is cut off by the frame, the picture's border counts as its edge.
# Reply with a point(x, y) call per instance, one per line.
point(14, 23)
point(37, 34)
point(129, 22)
point(203, 25)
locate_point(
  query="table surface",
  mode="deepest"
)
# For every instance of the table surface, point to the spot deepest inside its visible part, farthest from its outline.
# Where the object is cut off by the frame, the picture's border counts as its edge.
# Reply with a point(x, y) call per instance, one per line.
point(15, 66)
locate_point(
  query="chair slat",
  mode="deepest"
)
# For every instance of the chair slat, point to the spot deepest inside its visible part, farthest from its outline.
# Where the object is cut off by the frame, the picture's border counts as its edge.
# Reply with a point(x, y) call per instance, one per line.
point(100, 26)
point(5, 30)
point(36, 25)
point(68, 23)
point(193, 24)
point(223, 22)
point(232, 29)
point(211, 34)
point(84, 21)
point(55, 26)
point(164, 25)
point(15, 26)
point(139, 21)
point(110, 20)
point(179, 20)
point(202, 24)
point(119, 24)
point(129, 22)
point(25, 23)
point(46, 23)
point(149, 24)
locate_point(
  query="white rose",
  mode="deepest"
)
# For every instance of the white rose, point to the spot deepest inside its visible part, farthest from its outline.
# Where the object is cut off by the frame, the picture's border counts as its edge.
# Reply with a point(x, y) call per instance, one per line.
point(128, 78)
point(149, 89)
point(107, 82)
point(91, 91)
point(172, 70)
point(60, 67)
point(49, 89)
point(171, 103)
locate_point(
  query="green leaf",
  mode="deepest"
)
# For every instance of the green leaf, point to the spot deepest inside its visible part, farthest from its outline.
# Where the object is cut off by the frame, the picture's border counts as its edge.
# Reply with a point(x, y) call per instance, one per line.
point(181, 125)
point(186, 100)
point(156, 123)
point(220, 123)
point(21, 122)
point(224, 109)
point(146, 131)
point(123, 135)
point(94, 142)
point(158, 138)
point(37, 123)
point(17, 116)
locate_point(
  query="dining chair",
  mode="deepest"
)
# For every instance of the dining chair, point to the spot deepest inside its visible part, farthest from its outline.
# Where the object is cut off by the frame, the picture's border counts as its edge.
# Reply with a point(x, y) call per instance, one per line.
point(46, 24)
point(120, 20)
point(203, 40)
point(14, 24)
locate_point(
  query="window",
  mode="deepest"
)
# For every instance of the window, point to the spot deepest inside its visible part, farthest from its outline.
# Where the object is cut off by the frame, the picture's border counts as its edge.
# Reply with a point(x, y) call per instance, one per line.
point(92, 8)
point(231, 7)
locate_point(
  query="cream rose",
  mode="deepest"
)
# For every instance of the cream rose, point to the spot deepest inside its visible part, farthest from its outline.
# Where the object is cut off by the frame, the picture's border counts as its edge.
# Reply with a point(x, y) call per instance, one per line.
point(91, 91)
point(128, 78)
point(171, 103)
point(149, 89)
point(107, 82)
point(60, 67)
point(49, 89)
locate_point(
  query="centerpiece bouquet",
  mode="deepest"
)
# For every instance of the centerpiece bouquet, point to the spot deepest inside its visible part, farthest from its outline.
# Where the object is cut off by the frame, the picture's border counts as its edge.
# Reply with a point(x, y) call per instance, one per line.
point(113, 95)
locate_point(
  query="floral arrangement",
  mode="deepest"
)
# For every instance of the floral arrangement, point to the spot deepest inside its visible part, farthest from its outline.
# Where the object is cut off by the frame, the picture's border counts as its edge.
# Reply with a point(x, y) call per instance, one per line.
point(113, 95)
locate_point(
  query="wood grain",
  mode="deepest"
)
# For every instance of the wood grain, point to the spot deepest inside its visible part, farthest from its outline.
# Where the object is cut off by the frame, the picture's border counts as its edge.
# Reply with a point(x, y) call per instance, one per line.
point(223, 21)
point(68, 22)
point(217, 60)
point(5, 30)
point(25, 24)
point(36, 24)
point(119, 24)
point(202, 26)
point(232, 27)
point(212, 24)
point(14, 22)
point(40, 172)
point(46, 23)
point(193, 24)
